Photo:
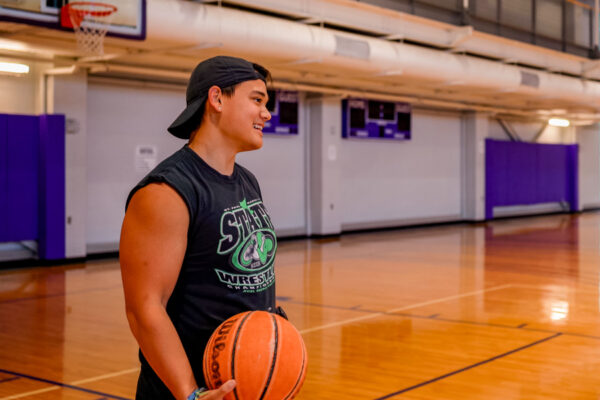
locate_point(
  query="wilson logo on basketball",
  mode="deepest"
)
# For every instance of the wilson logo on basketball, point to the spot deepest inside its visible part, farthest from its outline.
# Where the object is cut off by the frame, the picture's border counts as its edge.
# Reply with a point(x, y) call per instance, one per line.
point(247, 235)
point(220, 339)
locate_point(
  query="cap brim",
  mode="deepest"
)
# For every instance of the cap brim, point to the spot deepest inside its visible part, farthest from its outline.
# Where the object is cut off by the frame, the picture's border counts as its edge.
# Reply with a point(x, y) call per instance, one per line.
point(187, 121)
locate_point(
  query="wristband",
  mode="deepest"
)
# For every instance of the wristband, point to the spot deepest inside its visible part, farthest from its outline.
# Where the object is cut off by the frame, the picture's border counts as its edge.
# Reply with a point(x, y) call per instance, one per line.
point(198, 393)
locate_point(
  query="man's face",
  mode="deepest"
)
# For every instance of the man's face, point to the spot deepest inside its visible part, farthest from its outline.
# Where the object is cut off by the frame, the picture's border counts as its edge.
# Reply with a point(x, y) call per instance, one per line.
point(244, 115)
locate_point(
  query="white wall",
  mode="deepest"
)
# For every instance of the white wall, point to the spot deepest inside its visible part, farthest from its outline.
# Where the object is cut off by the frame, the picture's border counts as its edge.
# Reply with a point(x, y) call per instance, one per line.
point(122, 116)
point(119, 118)
point(21, 94)
point(588, 138)
point(279, 168)
point(383, 183)
point(390, 183)
point(67, 94)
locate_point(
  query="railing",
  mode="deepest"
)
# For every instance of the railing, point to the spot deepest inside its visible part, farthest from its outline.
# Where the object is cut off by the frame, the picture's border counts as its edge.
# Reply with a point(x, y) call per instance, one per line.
point(566, 25)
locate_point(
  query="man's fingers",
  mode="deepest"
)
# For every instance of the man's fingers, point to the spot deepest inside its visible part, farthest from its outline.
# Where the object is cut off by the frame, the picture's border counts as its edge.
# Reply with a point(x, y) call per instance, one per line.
point(227, 387)
point(220, 393)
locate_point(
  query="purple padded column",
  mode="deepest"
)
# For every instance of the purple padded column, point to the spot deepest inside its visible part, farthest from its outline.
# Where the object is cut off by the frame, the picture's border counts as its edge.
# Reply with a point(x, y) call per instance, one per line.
point(496, 175)
point(573, 176)
point(3, 178)
point(522, 174)
point(530, 173)
point(22, 178)
point(52, 212)
point(553, 168)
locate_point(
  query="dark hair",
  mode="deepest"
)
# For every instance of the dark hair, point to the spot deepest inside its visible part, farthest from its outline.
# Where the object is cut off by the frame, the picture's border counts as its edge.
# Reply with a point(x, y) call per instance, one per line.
point(229, 91)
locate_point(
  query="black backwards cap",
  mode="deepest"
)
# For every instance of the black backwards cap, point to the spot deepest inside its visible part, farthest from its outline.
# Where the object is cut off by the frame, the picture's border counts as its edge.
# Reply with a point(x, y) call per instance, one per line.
point(221, 71)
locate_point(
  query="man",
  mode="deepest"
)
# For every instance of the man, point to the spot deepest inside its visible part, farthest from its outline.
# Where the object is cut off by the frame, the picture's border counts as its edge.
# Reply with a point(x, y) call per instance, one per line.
point(197, 245)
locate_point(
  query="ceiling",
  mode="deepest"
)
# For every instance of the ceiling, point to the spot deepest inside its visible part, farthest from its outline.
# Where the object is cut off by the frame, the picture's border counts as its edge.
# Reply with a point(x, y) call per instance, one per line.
point(438, 65)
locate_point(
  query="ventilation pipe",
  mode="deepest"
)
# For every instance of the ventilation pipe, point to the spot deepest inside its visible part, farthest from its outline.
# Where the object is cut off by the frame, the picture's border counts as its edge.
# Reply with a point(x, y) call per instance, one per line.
point(320, 49)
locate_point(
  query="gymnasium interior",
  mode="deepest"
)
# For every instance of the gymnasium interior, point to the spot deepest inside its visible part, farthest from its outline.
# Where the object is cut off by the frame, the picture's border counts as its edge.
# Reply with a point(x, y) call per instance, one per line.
point(432, 170)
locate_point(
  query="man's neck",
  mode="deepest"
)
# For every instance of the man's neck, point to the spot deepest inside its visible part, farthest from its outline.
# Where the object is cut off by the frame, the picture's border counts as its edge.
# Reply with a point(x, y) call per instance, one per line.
point(209, 145)
point(215, 155)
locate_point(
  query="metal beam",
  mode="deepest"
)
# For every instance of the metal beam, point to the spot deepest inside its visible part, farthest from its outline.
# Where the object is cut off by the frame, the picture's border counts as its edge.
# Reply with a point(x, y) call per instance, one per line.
point(510, 132)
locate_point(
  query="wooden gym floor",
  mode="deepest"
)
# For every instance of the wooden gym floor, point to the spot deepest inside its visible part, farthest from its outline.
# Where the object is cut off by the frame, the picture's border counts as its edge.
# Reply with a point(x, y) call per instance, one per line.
point(504, 310)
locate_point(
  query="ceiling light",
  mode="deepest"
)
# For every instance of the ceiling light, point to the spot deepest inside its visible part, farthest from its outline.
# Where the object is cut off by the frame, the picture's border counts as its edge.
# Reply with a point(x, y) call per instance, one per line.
point(12, 45)
point(559, 122)
point(13, 68)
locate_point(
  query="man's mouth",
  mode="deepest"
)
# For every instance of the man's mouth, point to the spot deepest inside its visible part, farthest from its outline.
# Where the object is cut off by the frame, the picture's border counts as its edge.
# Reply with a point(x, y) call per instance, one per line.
point(257, 126)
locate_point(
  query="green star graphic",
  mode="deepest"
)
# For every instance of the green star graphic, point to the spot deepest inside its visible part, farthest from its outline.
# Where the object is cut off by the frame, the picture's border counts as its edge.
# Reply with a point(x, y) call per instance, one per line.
point(244, 205)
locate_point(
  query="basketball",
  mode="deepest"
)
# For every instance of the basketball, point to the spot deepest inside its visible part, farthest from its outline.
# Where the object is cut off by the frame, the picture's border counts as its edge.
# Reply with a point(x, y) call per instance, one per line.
point(263, 352)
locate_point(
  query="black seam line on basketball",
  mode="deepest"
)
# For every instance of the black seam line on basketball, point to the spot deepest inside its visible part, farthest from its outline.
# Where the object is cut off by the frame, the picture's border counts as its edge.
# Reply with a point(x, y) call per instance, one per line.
point(65, 385)
point(469, 367)
point(300, 375)
point(274, 359)
point(235, 340)
point(14, 378)
point(521, 326)
point(206, 360)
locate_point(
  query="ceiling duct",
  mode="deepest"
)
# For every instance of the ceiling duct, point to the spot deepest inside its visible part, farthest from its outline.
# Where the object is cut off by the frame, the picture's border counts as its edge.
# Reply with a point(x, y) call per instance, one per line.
point(285, 43)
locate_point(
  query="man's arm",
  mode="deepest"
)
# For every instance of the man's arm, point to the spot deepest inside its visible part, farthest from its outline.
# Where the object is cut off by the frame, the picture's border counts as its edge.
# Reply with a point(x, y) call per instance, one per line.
point(152, 247)
point(153, 243)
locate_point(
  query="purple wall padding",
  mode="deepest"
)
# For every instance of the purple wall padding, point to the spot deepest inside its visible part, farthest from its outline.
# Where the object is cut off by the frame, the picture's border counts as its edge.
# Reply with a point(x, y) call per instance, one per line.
point(19, 157)
point(51, 243)
point(3, 178)
point(32, 182)
point(529, 173)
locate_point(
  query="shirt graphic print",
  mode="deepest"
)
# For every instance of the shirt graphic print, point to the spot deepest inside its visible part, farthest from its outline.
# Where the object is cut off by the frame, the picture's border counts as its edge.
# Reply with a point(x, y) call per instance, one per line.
point(248, 238)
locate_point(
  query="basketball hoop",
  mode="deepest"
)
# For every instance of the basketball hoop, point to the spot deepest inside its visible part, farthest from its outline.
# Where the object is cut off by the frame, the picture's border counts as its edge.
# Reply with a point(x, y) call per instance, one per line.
point(90, 21)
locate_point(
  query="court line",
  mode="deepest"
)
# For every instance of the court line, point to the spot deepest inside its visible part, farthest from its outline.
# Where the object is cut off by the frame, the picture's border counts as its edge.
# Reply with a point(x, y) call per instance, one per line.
point(58, 385)
point(468, 367)
point(436, 317)
point(487, 324)
point(63, 294)
point(106, 376)
point(31, 393)
point(425, 303)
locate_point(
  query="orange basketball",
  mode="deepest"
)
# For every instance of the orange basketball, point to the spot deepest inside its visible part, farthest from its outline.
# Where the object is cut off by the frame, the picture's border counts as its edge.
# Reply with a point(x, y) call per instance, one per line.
point(263, 352)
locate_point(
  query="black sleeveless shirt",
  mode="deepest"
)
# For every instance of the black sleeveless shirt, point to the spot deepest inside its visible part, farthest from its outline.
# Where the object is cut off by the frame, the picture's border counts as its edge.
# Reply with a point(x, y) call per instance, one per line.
point(228, 266)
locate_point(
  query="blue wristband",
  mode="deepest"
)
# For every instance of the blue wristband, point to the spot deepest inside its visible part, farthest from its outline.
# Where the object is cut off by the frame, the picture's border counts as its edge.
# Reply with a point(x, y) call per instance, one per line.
point(196, 394)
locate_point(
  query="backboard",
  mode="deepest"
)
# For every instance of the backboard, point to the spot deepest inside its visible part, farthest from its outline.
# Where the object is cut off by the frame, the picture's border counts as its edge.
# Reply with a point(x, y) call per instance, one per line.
point(129, 21)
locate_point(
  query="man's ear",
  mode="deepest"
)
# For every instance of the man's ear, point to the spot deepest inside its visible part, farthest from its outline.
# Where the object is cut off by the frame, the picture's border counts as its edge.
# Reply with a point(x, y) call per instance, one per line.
point(214, 100)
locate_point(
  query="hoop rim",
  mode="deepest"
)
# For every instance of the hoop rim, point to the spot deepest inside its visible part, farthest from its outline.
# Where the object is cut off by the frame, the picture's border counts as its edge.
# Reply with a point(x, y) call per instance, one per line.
point(109, 8)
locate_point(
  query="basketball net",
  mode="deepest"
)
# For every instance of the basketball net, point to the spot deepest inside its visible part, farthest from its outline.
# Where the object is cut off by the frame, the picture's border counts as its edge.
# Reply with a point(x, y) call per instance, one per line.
point(90, 22)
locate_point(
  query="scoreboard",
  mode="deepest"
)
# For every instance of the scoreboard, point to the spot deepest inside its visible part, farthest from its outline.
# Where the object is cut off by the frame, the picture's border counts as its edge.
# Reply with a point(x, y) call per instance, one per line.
point(372, 119)
point(283, 106)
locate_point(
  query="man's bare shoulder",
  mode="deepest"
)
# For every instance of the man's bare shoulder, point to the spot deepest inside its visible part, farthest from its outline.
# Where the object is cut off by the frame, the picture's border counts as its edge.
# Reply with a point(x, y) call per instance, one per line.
point(157, 199)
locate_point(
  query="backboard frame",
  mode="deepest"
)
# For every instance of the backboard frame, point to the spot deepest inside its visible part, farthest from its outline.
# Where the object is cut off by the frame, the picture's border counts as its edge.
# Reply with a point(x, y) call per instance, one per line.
point(49, 17)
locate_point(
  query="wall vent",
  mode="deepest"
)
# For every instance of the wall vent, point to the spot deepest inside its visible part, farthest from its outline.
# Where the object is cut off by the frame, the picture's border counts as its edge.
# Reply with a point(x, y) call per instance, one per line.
point(352, 48)
point(530, 79)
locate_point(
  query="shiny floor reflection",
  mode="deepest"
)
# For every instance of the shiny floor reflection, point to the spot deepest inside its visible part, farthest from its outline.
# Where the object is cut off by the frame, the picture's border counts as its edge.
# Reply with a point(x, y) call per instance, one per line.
point(503, 310)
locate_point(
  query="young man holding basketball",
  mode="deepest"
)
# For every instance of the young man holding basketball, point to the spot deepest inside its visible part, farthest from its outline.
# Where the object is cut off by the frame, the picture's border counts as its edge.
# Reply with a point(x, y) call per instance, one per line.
point(197, 245)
